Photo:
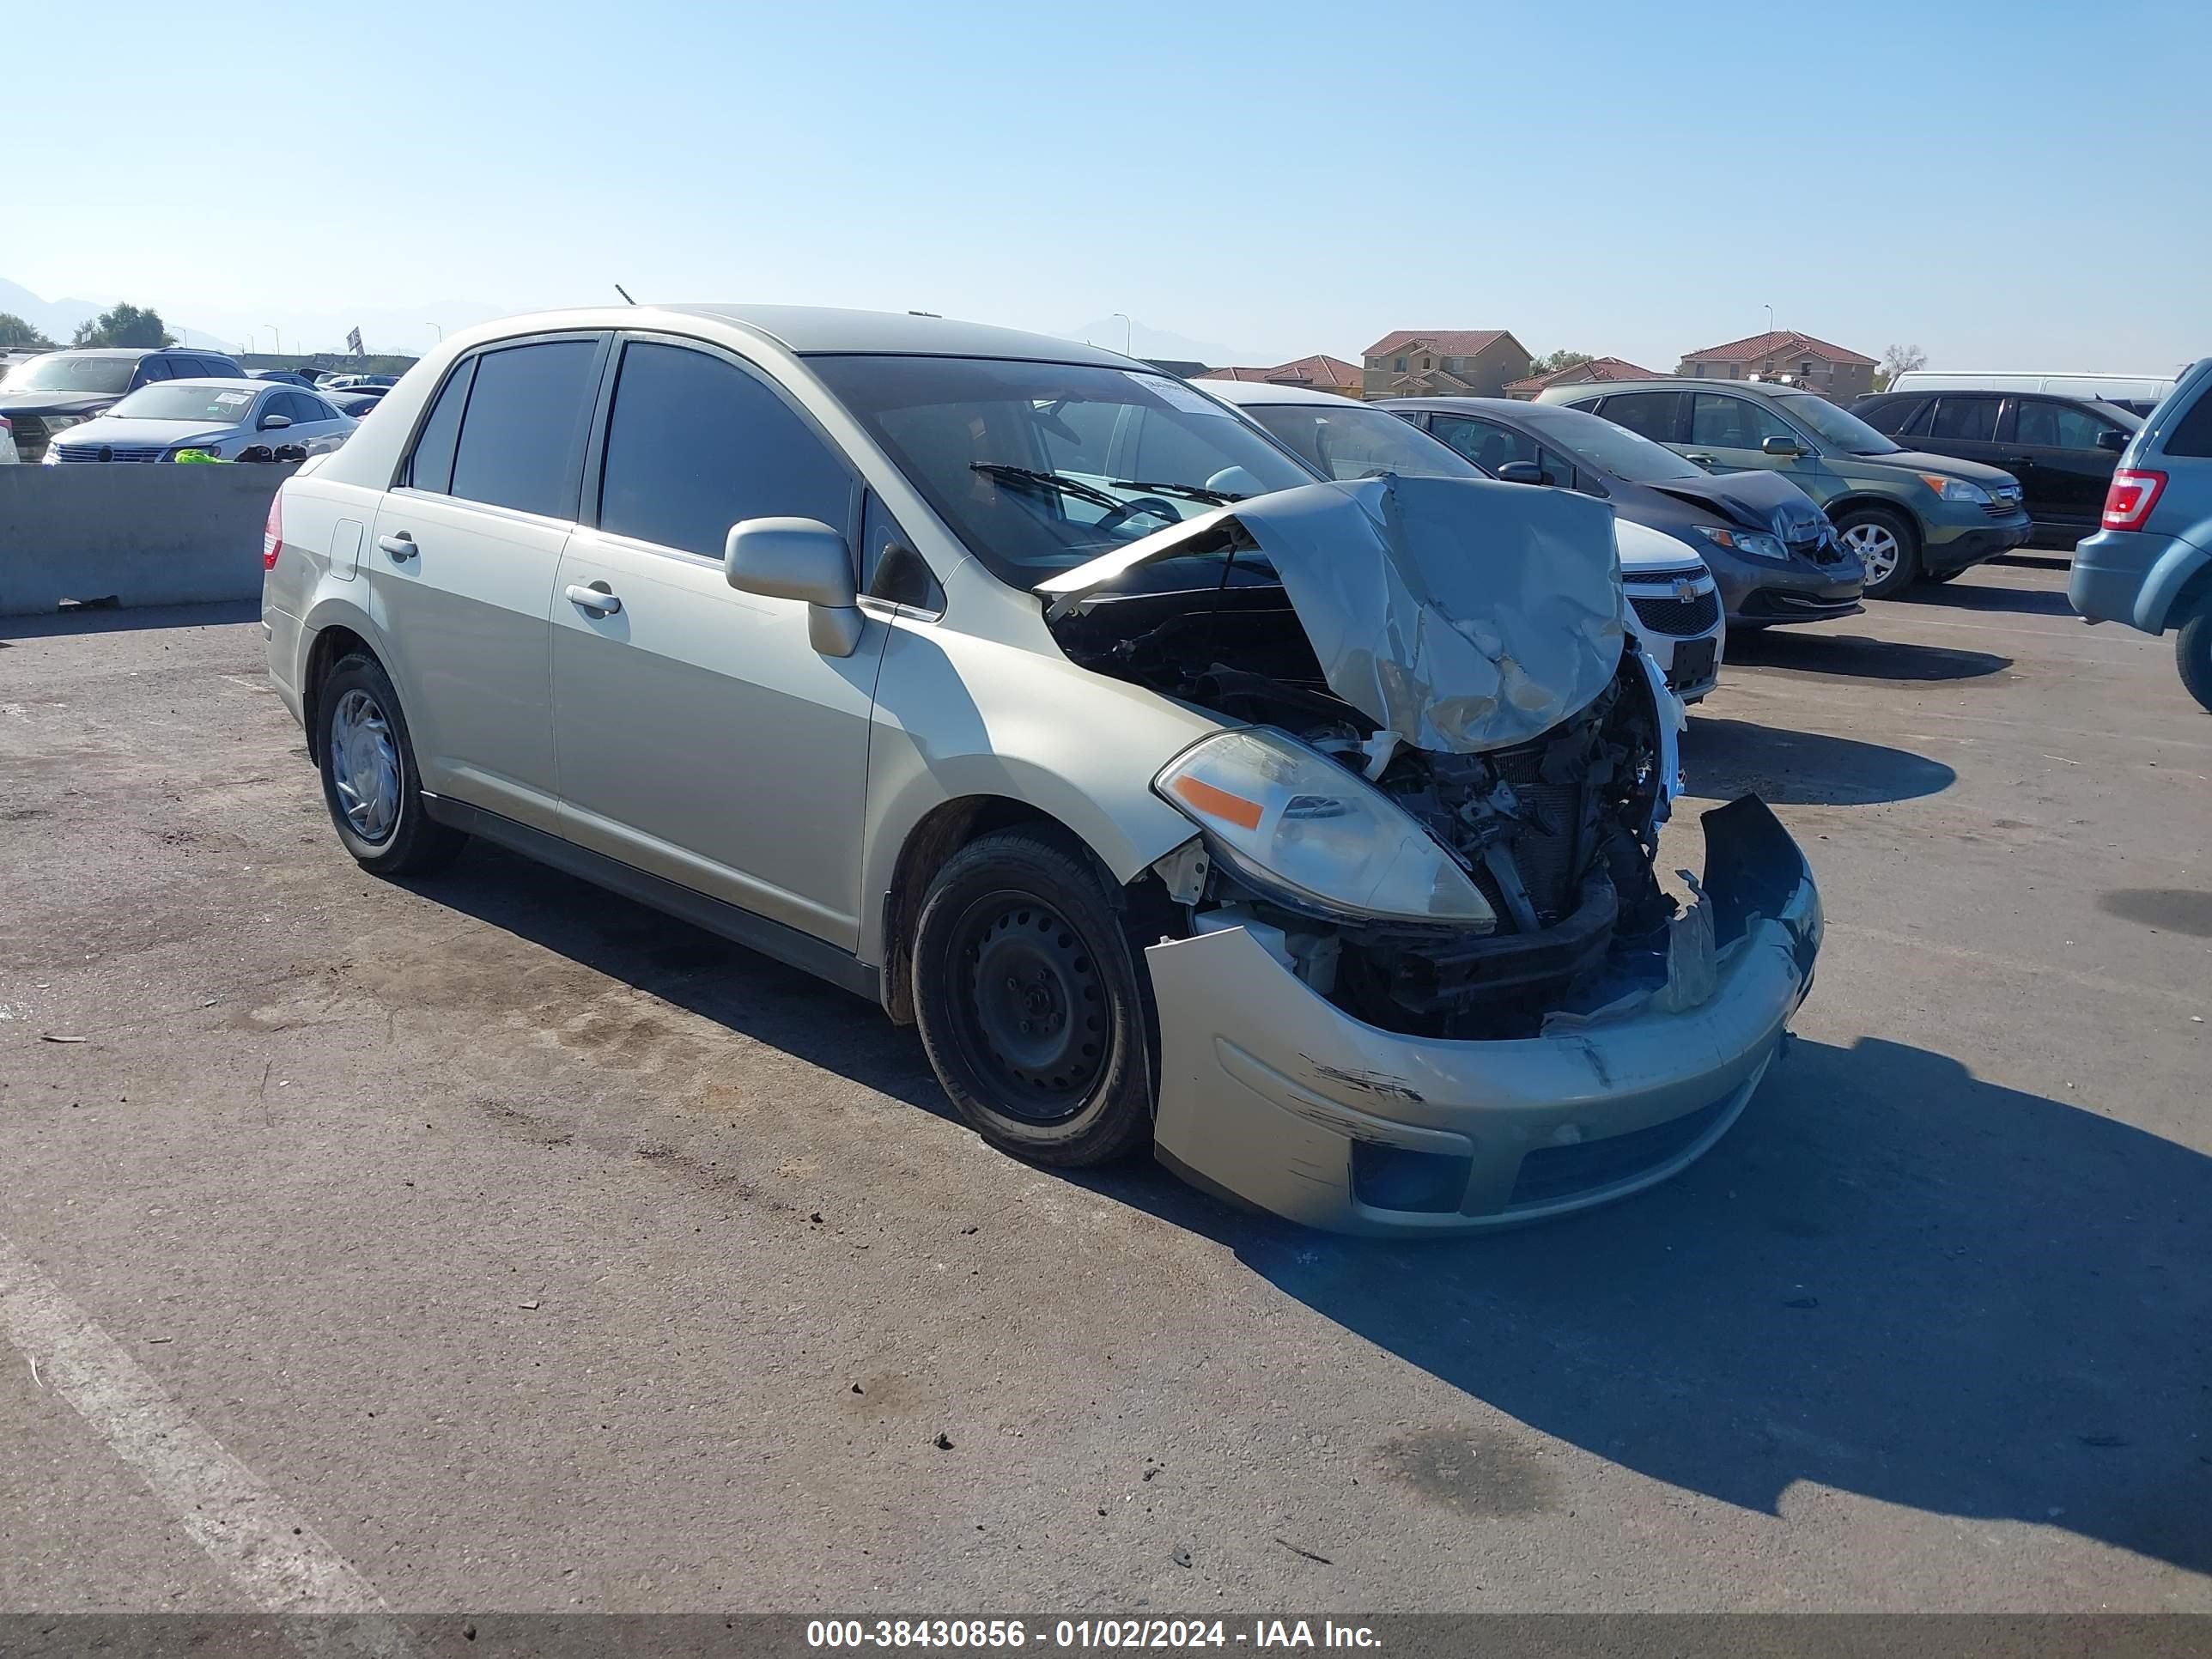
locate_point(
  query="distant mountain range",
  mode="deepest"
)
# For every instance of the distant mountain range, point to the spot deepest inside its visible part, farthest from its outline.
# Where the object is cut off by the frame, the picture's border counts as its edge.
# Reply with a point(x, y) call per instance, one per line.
point(1145, 342)
point(55, 319)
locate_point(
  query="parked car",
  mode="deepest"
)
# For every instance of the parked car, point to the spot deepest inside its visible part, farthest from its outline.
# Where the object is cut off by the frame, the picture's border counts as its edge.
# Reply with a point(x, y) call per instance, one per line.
point(2063, 450)
point(356, 402)
point(1773, 552)
point(8, 455)
point(289, 376)
point(222, 418)
point(2150, 565)
point(1673, 605)
point(56, 390)
point(1906, 514)
point(2136, 393)
point(355, 382)
point(1302, 831)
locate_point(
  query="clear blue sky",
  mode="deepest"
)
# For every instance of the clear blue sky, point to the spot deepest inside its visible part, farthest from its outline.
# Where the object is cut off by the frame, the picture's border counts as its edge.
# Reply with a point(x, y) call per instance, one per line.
point(2008, 185)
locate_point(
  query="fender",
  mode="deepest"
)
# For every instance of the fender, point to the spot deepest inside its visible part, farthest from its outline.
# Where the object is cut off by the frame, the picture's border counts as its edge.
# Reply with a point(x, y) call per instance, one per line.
point(2170, 578)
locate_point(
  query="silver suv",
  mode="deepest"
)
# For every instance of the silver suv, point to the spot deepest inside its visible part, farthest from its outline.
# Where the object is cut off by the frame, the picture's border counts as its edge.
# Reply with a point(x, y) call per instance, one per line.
point(1301, 831)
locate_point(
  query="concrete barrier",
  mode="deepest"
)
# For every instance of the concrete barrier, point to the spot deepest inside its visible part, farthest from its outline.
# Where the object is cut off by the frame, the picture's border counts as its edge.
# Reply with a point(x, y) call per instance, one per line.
point(133, 533)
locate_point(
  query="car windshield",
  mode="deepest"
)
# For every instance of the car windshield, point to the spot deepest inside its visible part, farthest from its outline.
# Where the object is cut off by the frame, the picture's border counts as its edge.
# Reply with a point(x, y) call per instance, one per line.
point(1039, 467)
point(180, 400)
point(1846, 431)
point(1353, 441)
point(1608, 448)
point(64, 372)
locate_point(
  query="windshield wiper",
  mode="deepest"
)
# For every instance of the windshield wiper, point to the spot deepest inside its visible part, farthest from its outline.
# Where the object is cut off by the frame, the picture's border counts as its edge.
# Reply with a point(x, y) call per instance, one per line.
point(1006, 472)
point(1189, 492)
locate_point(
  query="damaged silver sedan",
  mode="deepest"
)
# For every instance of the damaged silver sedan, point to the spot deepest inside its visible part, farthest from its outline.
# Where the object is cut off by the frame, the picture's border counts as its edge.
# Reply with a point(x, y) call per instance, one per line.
point(1303, 832)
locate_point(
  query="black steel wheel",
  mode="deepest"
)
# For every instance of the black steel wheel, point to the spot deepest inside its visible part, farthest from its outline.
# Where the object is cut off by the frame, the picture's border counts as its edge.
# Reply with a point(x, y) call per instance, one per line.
point(1030, 1002)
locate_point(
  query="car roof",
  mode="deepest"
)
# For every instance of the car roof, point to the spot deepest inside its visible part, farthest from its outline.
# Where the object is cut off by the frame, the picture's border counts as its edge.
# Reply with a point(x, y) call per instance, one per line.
point(1480, 405)
point(229, 381)
point(812, 330)
point(1261, 394)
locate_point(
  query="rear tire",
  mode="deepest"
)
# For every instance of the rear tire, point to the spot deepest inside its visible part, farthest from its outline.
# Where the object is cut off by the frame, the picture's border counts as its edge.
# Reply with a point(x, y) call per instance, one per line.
point(2192, 650)
point(1034, 1009)
point(370, 784)
point(1887, 545)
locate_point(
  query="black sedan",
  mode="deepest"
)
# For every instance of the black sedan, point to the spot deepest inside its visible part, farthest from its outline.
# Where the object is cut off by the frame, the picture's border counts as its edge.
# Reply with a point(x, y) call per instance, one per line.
point(1772, 549)
point(2063, 450)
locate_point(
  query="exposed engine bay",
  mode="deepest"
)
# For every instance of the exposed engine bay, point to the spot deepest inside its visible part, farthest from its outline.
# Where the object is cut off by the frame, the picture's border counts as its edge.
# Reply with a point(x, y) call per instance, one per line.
point(1559, 831)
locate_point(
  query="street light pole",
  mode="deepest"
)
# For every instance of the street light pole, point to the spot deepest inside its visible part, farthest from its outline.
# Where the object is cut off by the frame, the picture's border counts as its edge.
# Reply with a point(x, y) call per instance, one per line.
point(274, 336)
point(1770, 319)
point(1128, 334)
point(441, 332)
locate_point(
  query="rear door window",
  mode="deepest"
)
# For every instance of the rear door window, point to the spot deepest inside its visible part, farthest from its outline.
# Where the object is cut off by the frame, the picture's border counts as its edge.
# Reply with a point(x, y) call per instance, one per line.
point(1725, 423)
point(431, 466)
point(1965, 420)
point(694, 444)
point(1651, 413)
point(2192, 433)
point(522, 435)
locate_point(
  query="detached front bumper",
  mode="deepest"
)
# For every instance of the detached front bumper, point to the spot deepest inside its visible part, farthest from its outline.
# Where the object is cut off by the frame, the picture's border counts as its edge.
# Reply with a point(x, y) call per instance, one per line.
point(1272, 1095)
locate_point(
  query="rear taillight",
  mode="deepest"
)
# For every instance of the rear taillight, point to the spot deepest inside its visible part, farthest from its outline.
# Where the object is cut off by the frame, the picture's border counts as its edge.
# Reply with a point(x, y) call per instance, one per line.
point(272, 533)
point(2128, 501)
point(7, 425)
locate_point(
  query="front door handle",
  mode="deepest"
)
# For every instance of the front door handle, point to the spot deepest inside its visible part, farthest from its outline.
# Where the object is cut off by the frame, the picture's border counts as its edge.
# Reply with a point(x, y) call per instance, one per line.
point(598, 599)
point(1700, 459)
point(2019, 460)
point(400, 546)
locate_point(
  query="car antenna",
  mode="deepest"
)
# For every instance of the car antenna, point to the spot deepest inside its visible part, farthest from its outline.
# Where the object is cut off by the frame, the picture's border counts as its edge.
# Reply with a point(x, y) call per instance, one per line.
point(624, 292)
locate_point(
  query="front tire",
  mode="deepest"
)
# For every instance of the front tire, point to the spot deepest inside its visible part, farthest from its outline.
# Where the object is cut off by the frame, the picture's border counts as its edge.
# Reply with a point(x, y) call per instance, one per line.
point(1033, 1008)
point(370, 784)
point(2192, 650)
point(1887, 546)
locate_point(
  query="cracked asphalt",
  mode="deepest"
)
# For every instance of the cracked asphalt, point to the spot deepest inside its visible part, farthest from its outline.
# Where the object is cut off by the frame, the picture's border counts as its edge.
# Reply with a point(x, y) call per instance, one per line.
point(543, 1254)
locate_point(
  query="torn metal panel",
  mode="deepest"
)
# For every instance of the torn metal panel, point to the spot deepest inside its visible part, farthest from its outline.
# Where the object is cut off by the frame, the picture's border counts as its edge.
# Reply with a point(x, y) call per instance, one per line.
point(1461, 614)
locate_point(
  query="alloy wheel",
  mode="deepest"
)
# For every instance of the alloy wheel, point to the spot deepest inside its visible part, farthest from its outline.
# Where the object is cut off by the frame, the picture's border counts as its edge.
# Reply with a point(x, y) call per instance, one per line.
point(1878, 550)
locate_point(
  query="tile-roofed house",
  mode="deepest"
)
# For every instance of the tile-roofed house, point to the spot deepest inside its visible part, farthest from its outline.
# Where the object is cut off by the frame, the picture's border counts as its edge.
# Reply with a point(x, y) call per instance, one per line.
point(1783, 354)
point(1410, 363)
point(1597, 368)
point(1319, 373)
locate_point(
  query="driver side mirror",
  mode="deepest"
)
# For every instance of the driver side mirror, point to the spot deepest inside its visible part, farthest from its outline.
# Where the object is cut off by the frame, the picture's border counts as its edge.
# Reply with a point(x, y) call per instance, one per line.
point(801, 559)
point(1522, 472)
point(1780, 445)
point(2111, 437)
point(273, 423)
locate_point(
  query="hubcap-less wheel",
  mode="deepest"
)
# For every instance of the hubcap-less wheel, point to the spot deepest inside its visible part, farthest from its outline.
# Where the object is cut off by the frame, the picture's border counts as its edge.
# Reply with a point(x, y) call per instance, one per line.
point(1878, 550)
point(365, 765)
point(1034, 1017)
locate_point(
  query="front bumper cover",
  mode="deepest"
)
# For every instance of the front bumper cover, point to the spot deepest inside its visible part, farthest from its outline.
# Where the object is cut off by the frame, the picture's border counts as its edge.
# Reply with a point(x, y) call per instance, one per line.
point(1271, 1095)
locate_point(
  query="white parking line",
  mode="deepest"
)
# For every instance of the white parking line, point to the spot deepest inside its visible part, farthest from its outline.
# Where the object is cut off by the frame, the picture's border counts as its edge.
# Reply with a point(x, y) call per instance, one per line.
point(270, 1553)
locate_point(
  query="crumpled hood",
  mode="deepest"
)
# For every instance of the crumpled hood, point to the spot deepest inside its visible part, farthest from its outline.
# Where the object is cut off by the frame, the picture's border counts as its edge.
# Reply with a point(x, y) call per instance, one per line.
point(1757, 500)
point(55, 403)
point(1461, 614)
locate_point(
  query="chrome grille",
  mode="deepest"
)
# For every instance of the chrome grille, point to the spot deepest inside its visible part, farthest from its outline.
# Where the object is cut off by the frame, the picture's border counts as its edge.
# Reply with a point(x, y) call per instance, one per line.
point(2004, 500)
point(71, 452)
point(1679, 618)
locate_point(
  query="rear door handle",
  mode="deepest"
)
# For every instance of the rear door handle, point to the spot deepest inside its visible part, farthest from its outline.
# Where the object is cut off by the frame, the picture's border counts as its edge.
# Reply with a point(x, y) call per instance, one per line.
point(2019, 460)
point(400, 546)
point(597, 598)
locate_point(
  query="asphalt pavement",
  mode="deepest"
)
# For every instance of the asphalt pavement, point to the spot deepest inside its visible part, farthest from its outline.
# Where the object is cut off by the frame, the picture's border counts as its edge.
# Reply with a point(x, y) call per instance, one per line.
point(492, 1243)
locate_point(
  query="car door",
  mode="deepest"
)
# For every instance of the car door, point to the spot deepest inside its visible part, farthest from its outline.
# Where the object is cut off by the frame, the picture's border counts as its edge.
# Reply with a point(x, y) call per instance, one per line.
point(2051, 446)
point(1655, 414)
point(461, 566)
point(1490, 445)
point(1962, 425)
point(316, 426)
point(1726, 433)
point(700, 735)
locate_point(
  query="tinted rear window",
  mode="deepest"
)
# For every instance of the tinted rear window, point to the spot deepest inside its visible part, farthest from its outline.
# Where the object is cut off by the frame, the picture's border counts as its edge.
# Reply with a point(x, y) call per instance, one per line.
point(523, 433)
point(2192, 433)
point(1968, 420)
point(1649, 413)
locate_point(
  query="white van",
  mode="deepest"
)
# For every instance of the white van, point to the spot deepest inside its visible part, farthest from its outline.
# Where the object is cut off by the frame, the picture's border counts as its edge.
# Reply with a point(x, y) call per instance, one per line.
point(2138, 392)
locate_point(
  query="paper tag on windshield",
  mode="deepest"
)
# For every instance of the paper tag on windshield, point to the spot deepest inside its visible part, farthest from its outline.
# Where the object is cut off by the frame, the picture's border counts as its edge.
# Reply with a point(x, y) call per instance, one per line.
point(233, 396)
point(1176, 395)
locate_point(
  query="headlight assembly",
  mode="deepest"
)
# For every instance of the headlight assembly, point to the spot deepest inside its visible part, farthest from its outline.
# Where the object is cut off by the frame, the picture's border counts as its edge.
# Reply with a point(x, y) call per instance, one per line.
point(1955, 490)
point(1296, 820)
point(1752, 544)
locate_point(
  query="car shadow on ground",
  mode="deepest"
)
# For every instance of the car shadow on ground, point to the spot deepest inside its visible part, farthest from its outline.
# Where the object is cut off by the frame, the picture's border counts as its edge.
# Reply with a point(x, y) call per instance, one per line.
point(1727, 759)
point(115, 619)
point(1893, 1278)
point(1965, 596)
point(1856, 657)
point(739, 989)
